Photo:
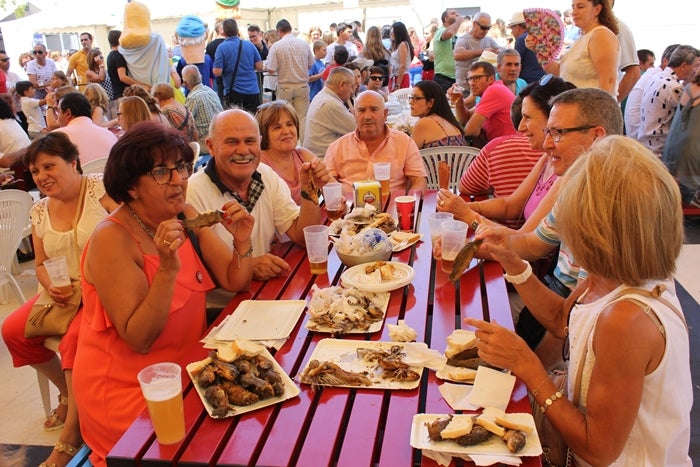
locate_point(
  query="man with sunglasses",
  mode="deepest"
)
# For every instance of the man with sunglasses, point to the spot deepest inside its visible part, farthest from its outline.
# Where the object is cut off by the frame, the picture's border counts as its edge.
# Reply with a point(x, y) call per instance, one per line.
point(470, 46)
point(74, 114)
point(40, 70)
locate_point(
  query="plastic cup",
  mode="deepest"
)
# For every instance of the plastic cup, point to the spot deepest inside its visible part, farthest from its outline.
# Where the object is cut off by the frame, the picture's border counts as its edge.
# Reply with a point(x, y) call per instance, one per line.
point(406, 209)
point(316, 239)
point(161, 385)
point(435, 221)
point(333, 197)
point(58, 273)
point(382, 173)
point(452, 239)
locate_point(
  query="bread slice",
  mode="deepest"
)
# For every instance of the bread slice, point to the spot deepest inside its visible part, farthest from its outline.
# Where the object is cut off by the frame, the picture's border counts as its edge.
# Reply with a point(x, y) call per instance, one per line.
point(458, 426)
point(511, 425)
point(490, 424)
point(461, 374)
point(459, 340)
point(408, 237)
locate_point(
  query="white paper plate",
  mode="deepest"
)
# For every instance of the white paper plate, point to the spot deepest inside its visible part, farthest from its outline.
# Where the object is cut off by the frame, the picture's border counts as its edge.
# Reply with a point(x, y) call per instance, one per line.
point(344, 354)
point(290, 389)
point(381, 300)
point(262, 320)
point(356, 277)
point(493, 446)
point(397, 246)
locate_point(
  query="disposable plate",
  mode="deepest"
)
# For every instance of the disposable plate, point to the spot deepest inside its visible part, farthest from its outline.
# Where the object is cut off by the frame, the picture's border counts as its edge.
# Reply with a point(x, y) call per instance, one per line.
point(262, 320)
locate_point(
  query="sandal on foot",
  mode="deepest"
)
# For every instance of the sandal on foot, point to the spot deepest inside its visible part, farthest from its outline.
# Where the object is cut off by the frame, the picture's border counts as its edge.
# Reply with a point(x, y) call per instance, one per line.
point(53, 422)
point(63, 448)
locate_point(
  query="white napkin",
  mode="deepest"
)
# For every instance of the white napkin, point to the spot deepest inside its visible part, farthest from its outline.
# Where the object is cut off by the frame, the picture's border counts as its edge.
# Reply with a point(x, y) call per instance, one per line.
point(444, 458)
point(457, 396)
point(210, 341)
point(492, 388)
point(418, 354)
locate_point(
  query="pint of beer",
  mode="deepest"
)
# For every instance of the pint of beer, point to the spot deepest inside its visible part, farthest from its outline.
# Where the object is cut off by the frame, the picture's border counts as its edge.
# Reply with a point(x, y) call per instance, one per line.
point(161, 385)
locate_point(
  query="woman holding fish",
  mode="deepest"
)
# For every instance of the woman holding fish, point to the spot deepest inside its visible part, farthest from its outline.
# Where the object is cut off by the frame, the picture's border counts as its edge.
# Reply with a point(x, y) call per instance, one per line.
point(145, 277)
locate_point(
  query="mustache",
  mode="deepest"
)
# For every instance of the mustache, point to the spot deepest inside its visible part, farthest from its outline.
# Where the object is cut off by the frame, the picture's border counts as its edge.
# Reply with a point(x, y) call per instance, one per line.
point(241, 159)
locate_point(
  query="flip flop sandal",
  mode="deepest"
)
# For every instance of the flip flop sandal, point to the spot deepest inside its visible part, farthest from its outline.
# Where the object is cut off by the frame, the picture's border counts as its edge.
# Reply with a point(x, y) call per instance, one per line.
point(53, 422)
point(64, 448)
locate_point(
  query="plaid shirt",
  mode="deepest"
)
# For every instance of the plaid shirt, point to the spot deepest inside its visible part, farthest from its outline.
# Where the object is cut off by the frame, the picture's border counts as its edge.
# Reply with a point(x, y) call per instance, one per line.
point(204, 104)
point(255, 189)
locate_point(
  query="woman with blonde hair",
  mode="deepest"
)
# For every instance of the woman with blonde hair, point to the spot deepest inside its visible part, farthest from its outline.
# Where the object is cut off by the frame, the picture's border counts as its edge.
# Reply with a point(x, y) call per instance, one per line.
point(132, 110)
point(99, 101)
point(619, 211)
point(177, 114)
point(374, 50)
point(140, 91)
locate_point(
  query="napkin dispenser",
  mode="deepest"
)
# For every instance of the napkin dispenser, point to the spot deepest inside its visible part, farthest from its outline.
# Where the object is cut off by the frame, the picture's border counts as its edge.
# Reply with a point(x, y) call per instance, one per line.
point(368, 192)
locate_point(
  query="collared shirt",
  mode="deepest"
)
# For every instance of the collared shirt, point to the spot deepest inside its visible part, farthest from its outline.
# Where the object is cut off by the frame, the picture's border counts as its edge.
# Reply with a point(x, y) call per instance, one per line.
point(327, 120)
point(633, 117)
point(204, 104)
point(78, 62)
point(349, 160)
point(246, 77)
point(275, 211)
point(659, 101)
point(255, 189)
point(93, 141)
point(495, 106)
point(349, 45)
point(291, 59)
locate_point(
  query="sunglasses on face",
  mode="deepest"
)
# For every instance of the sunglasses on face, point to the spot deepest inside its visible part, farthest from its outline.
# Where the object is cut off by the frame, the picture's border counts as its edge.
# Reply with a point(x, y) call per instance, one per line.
point(376, 78)
point(483, 28)
point(38, 52)
point(5, 60)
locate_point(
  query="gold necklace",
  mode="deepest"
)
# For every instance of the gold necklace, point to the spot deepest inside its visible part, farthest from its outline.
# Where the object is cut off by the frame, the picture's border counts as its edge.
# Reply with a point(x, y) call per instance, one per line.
point(145, 228)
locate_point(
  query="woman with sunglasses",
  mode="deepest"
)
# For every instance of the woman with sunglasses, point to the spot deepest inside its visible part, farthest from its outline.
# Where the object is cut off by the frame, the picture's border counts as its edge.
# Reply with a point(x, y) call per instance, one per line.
point(279, 128)
point(145, 278)
point(535, 195)
point(437, 125)
point(40, 70)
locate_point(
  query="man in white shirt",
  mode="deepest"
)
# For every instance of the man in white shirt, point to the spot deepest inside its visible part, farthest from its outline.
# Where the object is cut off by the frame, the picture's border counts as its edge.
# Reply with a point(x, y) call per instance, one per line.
point(344, 32)
point(290, 58)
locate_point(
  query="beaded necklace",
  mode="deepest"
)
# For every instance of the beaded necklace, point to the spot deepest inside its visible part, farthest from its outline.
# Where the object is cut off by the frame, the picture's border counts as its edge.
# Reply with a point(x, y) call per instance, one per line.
point(145, 228)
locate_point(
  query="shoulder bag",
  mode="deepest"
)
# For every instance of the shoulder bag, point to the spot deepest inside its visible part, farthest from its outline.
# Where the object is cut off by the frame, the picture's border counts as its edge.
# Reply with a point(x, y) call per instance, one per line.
point(48, 318)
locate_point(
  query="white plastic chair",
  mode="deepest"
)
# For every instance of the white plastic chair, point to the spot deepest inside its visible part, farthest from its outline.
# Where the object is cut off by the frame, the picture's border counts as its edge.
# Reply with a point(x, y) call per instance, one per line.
point(458, 157)
point(96, 166)
point(402, 95)
point(14, 217)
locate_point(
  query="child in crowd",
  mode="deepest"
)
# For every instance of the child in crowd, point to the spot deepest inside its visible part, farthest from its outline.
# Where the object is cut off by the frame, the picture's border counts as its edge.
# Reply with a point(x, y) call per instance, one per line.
point(316, 71)
point(31, 108)
point(376, 78)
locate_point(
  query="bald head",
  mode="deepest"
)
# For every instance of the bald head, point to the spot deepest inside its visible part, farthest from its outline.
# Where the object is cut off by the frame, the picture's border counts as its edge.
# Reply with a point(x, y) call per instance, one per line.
point(191, 76)
point(370, 115)
point(370, 98)
point(232, 116)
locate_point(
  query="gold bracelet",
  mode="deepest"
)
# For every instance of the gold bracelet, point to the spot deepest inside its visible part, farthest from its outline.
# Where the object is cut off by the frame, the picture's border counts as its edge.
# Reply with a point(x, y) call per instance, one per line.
point(550, 400)
point(478, 207)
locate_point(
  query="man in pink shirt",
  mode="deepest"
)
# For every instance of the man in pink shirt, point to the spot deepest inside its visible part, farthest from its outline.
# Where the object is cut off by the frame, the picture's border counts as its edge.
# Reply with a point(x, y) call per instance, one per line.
point(75, 117)
point(490, 118)
point(350, 157)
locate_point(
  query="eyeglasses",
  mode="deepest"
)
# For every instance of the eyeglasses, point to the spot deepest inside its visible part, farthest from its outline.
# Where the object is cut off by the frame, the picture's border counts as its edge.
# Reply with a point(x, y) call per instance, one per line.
point(556, 133)
point(416, 98)
point(545, 79)
point(38, 52)
point(475, 78)
point(5, 60)
point(376, 78)
point(483, 28)
point(164, 175)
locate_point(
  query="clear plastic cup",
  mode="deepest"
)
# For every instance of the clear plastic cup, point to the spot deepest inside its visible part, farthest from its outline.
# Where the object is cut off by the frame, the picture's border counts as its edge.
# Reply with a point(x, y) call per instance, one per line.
point(452, 239)
point(435, 221)
point(333, 197)
point(316, 239)
point(161, 385)
point(57, 268)
point(382, 173)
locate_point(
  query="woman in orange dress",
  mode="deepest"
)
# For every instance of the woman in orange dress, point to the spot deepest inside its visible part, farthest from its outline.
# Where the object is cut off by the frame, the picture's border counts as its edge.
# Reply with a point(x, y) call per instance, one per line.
point(144, 281)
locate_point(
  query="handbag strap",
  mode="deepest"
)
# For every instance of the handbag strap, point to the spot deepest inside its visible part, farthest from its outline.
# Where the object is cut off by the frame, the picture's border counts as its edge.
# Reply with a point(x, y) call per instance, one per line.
point(654, 293)
point(235, 67)
point(78, 212)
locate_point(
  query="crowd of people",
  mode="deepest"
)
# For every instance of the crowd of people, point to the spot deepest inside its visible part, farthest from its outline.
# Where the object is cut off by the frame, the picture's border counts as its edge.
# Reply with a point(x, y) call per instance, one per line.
point(598, 213)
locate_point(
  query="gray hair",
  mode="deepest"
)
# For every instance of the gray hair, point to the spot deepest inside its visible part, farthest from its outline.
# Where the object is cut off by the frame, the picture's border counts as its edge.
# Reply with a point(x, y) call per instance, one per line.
point(595, 107)
point(338, 75)
point(504, 52)
point(191, 76)
point(683, 54)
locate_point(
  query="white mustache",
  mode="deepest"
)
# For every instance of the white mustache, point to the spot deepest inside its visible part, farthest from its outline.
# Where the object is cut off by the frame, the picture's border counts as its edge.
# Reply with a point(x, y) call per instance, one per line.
point(241, 159)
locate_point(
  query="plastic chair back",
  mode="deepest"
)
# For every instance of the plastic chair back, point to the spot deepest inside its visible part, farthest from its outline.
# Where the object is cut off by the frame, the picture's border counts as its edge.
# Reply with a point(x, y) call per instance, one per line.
point(96, 166)
point(402, 95)
point(458, 157)
point(14, 217)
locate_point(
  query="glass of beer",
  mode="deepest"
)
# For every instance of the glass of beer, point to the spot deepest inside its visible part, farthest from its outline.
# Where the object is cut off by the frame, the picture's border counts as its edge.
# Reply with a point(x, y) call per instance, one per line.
point(161, 385)
point(382, 173)
point(316, 239)
point(57, 268)
point(333, 198)
point(452, 239)
point(435, 221)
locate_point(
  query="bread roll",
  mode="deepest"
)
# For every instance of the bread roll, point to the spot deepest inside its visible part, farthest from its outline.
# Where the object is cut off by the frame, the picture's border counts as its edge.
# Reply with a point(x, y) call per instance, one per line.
point(459, 340)
point(490, 424)
point(461, 374)
point(506, 423)
point(458, 426)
